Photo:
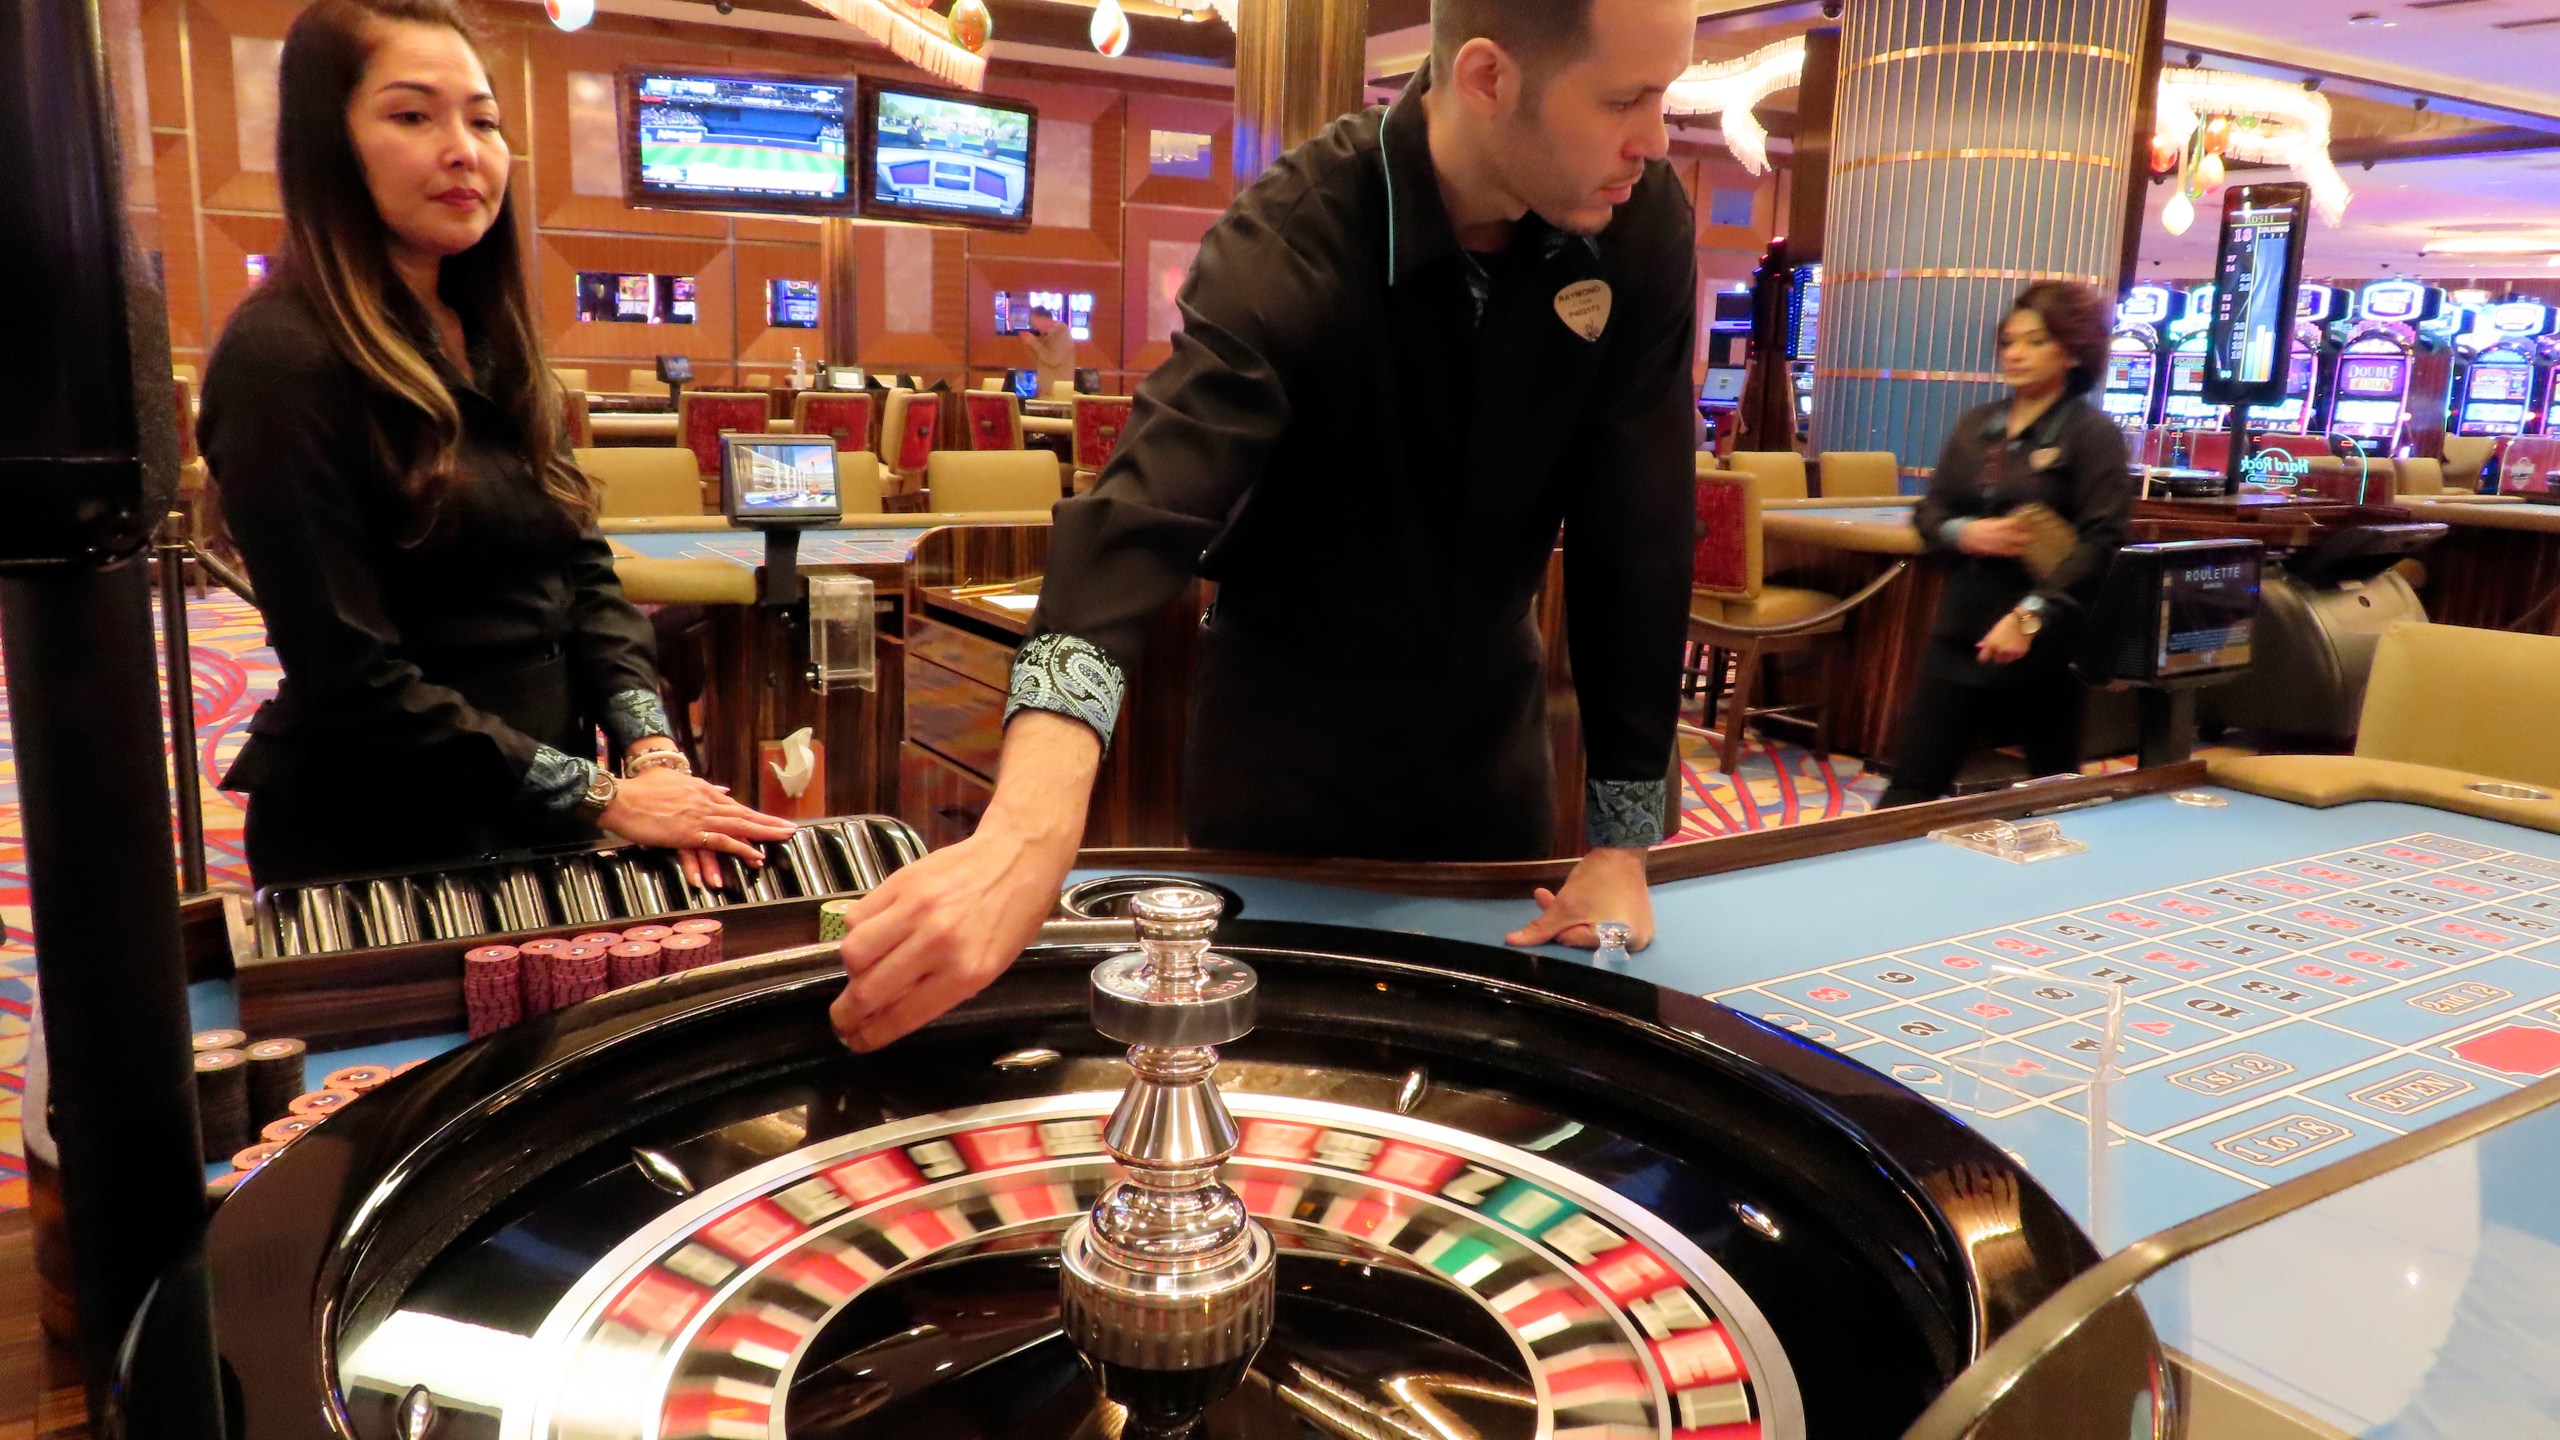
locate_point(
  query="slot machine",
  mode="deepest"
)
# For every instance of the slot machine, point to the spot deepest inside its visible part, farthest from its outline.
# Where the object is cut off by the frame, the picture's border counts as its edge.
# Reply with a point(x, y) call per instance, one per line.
point(2132, 394)
point(1804, 327)
point(2499, 386)
point(2370, 402)
point(2547, 413)
point(1728, 357)
point(2305, 407)
point(2183, 404)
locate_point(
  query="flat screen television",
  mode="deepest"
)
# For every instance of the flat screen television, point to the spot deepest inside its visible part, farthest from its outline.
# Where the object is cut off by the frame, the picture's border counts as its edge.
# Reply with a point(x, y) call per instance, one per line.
point(779, 479)
point(718, 140)
point(946, 158)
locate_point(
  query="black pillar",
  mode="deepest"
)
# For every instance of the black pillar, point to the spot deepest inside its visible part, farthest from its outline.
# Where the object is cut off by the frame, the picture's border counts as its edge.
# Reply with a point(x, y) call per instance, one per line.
point(87, 461)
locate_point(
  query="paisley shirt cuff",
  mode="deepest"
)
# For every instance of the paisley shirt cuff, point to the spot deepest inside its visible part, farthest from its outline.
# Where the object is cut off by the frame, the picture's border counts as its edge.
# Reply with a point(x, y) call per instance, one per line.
point(632, 716)
point(1623, 814)
point(555, 783)
point(1067, 676)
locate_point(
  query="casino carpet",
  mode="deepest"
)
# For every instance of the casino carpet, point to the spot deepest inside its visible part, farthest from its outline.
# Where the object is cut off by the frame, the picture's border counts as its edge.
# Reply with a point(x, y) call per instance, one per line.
point(233, 671)
point(1778, 784)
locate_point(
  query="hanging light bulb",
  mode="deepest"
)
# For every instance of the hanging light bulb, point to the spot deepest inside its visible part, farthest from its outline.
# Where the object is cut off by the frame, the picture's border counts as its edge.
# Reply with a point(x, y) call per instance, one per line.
point(2217, 134)
point(2164, 155)
point(2178, 214)
point(570, 14)
point(971, 25)
point(2209, 171)
point(1110, 29)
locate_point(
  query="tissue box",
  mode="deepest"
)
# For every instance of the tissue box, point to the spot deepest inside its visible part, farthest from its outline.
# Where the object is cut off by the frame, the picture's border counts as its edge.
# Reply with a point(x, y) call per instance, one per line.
point(772, 799)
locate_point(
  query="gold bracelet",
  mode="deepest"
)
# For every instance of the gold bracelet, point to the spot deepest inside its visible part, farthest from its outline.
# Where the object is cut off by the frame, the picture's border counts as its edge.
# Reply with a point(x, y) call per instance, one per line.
point(657, 760)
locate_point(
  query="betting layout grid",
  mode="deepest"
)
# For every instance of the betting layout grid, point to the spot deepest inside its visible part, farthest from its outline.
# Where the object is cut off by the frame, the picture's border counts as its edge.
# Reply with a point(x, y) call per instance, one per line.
point(2272, 1019)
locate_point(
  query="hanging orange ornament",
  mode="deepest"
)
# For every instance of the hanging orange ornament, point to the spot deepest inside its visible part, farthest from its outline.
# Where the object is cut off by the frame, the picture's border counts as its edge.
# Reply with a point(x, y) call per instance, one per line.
point(971, 25)
point(2217, 134)
point(1110, 29)
point(2164, 155)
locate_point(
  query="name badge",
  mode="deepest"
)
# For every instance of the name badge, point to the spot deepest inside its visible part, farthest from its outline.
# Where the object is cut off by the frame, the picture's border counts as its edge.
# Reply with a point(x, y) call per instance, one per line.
point(1584, 308)
point(2045, 458)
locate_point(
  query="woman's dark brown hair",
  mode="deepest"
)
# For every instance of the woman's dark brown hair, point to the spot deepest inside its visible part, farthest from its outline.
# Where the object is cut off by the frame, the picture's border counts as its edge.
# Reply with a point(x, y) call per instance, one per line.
point(337, 256)
point(2080, 321)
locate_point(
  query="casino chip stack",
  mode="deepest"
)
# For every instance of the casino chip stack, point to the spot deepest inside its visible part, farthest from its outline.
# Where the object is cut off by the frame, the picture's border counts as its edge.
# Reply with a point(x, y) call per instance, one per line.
point(222, 1100)
point(253, 1156)
point(541, 995)
point(606, 938)
point(492, 988)
point(287, 1130)
point(647, 934)
point(633, 961)
point(680, 953)
point(275, 1077)
point(709, 931)
point(832, 918)
point(580, 972)
point(356, 1079)
point(321, 1104)
point(220, 1039)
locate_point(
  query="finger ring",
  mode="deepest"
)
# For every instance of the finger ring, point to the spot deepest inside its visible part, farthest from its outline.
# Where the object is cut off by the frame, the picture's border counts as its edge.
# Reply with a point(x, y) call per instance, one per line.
point(702, 840)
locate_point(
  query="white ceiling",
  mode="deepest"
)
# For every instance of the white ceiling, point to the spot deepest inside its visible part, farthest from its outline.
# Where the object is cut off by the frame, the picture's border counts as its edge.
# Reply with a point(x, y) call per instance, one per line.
point(2453, 49)
point(2397, 209)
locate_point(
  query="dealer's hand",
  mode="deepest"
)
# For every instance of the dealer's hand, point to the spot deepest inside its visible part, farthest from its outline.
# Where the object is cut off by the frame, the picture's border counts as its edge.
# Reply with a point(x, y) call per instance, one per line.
point(1607, 884)
point(1997, 539)
point(692, 817)
point(942, 929)
point(2007, 643)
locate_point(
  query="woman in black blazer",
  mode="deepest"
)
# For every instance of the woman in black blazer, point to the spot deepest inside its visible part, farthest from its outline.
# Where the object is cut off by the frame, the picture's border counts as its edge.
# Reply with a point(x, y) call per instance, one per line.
point(387, 442)
point(1999, 650)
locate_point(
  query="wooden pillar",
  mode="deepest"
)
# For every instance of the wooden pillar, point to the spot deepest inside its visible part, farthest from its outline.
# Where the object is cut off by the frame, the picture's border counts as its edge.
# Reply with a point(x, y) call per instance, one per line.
point(838, 317)
point(1299, 66)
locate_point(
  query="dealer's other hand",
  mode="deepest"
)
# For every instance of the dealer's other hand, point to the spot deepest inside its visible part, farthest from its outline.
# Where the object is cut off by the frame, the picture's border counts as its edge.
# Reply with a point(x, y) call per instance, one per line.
point(1607, 884)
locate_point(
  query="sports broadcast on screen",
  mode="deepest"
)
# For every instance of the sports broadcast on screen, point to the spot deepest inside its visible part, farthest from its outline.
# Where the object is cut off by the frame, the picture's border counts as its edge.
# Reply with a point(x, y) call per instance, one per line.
point(950, 158)
point(707, 137)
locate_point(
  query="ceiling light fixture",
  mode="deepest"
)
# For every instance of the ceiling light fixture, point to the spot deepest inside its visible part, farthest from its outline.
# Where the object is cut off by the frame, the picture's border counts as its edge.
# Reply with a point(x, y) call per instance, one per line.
point(2289, 126)
point(1732, 87)
point(918, 36)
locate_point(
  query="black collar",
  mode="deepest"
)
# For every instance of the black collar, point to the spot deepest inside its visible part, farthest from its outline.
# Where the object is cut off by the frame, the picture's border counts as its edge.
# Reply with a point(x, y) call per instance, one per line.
point(1419, 232)
point(2041, 434)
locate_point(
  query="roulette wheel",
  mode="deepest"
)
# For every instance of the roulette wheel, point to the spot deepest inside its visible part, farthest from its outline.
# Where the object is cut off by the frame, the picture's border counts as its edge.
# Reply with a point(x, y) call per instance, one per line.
point(1482, 1195)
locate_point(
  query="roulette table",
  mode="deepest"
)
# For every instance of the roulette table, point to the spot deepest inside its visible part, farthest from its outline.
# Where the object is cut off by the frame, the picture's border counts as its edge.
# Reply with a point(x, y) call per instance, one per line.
point(1508, 1195)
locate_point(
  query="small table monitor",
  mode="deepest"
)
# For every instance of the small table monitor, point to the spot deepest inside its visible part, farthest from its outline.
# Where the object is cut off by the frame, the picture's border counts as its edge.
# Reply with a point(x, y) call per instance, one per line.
point(1025, 384)
point(768, 480)
point(845, 377)
point(2181, 611)
point(675, 369)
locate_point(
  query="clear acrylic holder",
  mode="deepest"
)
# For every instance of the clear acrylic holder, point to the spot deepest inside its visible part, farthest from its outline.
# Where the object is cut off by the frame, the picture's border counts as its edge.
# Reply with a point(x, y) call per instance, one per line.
point(2025, 842)
point(844, 651)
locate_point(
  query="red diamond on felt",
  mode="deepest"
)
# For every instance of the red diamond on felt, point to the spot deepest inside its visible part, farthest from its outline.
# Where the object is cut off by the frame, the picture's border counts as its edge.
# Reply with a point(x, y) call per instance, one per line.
point(2515, 1049)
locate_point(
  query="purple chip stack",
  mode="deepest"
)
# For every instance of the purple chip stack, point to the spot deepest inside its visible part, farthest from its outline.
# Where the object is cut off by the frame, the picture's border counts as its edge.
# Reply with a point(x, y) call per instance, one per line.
point(579, 972)
point(541, 975)
point(633, 961)
point(492, 990)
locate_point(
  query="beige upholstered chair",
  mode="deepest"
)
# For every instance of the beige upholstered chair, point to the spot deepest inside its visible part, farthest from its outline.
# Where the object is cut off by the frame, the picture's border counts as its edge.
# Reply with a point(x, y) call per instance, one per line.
point(1861, 475)
point(644, 479)
point(909, 421)
point(759, 380)
point(2466, 459)
point(644, 382)
point(964, 482)
point(858, 482)
point(2421, 477)
point(2479, 701)
point(571, 378)
point(1736, 616)
point(1780, 472)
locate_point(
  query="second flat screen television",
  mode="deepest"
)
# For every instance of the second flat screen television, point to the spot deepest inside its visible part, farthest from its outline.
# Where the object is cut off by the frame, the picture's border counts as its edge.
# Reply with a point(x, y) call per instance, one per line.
point(716, 140)
point(946, 158)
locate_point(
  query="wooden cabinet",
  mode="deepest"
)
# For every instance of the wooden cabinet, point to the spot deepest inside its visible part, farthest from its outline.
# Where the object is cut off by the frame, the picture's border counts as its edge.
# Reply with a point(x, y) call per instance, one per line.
point(942, 801)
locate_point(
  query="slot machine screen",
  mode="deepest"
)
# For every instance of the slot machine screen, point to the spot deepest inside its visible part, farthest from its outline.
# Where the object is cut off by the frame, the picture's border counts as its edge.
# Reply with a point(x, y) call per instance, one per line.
point(2129, 377)
point(2502, 383)
point(792, 304)
point(2377, 377)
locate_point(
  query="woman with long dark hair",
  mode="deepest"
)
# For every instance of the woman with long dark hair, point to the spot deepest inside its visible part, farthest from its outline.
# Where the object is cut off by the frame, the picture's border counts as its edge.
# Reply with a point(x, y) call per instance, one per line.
point(386, 439)
point(2013, 475)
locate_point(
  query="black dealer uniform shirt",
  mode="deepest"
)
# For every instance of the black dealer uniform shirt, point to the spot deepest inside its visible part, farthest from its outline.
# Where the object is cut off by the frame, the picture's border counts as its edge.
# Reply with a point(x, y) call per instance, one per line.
point(1369, 439)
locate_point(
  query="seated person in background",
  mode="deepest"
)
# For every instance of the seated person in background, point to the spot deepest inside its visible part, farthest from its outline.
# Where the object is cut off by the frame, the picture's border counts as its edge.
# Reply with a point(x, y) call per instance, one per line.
point(2002, 642)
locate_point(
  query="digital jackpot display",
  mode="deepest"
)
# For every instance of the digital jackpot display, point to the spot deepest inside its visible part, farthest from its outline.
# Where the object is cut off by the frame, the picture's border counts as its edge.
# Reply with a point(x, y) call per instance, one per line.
point(2257, 272)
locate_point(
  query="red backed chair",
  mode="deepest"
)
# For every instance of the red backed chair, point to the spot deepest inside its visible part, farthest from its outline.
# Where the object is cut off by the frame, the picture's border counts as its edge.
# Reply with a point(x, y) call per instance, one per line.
point(844, 416)
point(2528, 466)
point(995, 419)
point(907, 428)
point(575, 419)
point(1100, 421)
point(2208, 449)
point(701, 418)
point(1736, 618)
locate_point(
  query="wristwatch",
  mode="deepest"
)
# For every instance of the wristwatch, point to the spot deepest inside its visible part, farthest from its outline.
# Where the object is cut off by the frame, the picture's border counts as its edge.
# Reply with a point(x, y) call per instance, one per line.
point(601, 788)
point(2030, 622)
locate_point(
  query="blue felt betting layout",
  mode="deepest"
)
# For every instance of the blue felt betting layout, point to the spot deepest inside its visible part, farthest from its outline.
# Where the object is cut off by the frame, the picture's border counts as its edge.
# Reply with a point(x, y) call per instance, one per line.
point(2272, 1020)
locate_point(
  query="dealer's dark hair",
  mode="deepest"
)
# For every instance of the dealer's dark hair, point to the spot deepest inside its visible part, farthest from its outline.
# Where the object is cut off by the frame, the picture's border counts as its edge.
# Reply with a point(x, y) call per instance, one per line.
point(1543, 35)
point(2080, 321)
point(337, 257)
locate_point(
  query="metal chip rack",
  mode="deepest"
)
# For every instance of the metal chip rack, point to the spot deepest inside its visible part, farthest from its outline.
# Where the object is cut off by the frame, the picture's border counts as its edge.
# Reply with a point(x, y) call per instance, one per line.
point(600, 886)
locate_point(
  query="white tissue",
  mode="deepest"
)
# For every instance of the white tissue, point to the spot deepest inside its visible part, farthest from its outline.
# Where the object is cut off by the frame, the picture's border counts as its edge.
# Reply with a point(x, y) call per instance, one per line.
point(799, 763)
